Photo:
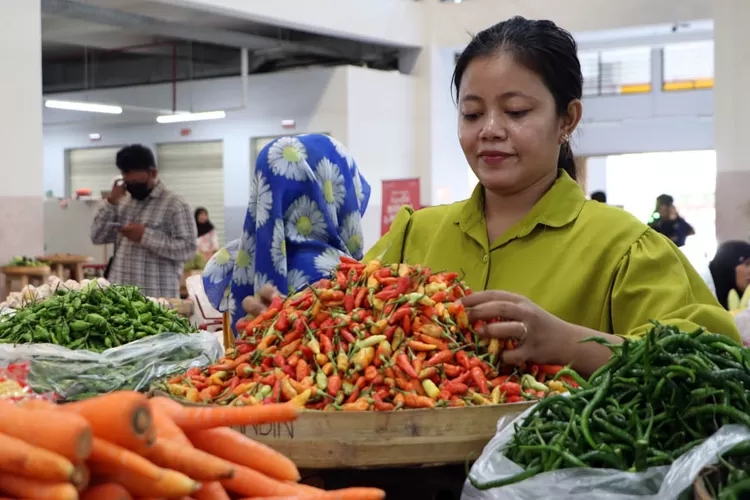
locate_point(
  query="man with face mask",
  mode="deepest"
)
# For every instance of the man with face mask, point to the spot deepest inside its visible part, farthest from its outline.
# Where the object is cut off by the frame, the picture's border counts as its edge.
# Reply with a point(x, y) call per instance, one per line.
point(153, 229)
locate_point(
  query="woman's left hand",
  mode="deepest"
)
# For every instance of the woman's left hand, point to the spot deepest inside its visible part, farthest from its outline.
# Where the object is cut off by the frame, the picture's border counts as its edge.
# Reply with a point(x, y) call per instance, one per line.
point(543, 338)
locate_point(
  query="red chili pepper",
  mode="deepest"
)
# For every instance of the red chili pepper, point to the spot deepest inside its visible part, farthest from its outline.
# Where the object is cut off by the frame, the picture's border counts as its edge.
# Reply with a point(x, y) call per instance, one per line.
point(406, 325)
point(448, 277)
point(382, 406)
point(456, 388)
point(349, 302)
point(387, 294)
point(439, 297)
point(354, 395)
point(326, 345)
point(429, 312)
point(334, 385)
point(478, 376)
point(345, 259)
point(276, 393)
point(463, 378)
point(451, 370)
point(267, 363)
point(361, 294)
point(347, 335)
point(402, 312)
point(463, 359)
point(551, 370)
point(440, 357)
point(402, 360)
point(279, 361)
point(390, 331)
point(510, 389)
point(341, 280)
point(370, 373)
point(289, 371)
point(282, 322)
point(442, 346)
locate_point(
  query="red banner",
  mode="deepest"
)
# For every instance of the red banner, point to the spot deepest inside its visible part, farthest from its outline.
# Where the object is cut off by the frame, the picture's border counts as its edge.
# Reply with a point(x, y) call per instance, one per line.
point(396, 194)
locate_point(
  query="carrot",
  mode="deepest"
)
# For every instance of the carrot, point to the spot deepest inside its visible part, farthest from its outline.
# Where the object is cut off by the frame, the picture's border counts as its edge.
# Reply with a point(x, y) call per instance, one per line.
point(196, 419)
point(211, 491)
point(170, 484)
point(106, 491)
point(344, 494)
point(66, 434)
point(24, 487)
point(19, 457)
point(37, 404)
point(121, 417)
point(250, 482)
point(166, 428)
point(239, 449)
point(106, 453)
point(197, 464)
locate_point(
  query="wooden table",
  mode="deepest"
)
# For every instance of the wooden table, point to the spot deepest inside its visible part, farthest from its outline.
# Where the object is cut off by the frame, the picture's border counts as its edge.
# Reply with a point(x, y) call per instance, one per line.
point(25, 275)
point(61, 263)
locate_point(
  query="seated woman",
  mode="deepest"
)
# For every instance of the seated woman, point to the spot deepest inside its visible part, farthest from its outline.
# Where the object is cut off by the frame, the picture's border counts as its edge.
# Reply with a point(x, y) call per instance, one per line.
point(556, 267)
point(730, 270)
point(306, 204)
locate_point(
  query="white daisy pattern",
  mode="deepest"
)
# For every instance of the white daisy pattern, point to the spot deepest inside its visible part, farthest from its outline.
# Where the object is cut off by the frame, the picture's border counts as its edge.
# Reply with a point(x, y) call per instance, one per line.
point(305, 221)
point(278, 247)
point(219, 267)
point(244, 266)
point(351, 233)
point(261, 199)
point(287, 157)
point(228, 303)
point(261, 279)
point(358, 189)
point(297, 280)
point(329, 259)
point(332, 183)
point(342, 151)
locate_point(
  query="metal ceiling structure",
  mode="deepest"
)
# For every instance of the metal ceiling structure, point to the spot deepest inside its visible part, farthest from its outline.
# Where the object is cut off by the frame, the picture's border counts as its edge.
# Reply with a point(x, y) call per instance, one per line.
point(89, 45)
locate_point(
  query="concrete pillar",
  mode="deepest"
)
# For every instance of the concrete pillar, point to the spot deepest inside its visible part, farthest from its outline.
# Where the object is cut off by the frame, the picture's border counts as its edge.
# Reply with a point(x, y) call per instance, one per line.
point(731, 123)
point(21, 161)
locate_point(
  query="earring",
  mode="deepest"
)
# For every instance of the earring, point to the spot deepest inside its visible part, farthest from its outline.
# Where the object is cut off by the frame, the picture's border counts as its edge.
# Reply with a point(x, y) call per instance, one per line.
point(565, 138)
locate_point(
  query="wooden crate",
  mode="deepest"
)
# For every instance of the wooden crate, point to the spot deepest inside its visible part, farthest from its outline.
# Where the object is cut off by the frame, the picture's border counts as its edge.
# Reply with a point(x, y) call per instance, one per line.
point(327, 440)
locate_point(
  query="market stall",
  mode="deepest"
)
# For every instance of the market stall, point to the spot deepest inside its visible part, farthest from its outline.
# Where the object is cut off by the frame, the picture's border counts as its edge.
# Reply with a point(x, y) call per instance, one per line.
point(396, 390)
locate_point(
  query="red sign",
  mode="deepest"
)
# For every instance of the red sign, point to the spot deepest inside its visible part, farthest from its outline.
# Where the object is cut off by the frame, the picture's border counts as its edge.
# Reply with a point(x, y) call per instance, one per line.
point(396, 194)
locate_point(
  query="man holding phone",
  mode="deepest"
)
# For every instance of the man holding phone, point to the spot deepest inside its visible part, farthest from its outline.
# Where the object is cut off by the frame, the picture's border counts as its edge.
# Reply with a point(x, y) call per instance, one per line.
point(153, 229)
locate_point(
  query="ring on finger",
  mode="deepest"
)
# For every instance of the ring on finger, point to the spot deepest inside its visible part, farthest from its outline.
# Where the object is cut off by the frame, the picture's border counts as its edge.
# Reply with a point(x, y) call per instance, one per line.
point(525, 332)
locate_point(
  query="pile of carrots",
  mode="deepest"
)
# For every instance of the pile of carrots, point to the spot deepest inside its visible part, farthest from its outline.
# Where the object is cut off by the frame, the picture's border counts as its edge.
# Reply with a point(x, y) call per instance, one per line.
point(372, 337)
point(122, 445)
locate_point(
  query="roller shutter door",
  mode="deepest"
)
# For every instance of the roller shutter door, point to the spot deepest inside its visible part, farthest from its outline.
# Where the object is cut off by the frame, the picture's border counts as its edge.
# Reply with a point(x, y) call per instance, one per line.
point(195, 171)
point(92, 168)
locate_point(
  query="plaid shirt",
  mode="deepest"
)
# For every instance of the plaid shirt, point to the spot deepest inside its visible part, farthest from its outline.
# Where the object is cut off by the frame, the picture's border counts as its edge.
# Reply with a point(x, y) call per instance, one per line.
point(156, 263)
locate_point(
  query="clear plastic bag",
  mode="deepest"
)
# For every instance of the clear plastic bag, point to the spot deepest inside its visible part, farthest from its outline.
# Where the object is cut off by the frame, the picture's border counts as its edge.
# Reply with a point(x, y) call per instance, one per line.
point(656, 483)
point(75, 374)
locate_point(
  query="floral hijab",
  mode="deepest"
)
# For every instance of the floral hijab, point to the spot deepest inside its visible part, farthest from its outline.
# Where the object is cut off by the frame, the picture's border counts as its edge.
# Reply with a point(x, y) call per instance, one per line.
point(307, 199)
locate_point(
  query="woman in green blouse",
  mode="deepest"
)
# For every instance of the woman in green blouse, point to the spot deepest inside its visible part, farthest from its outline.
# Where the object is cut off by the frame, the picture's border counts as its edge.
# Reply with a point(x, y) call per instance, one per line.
point(558, 268)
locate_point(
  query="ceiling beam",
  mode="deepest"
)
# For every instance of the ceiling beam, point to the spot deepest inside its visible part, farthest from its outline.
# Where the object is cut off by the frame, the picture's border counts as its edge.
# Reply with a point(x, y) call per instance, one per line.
point(158, 27)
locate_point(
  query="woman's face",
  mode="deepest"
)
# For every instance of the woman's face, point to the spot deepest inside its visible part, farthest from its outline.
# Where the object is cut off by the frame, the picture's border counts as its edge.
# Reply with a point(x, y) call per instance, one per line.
point(202, 217)
point(508, 125)
point(742, 274)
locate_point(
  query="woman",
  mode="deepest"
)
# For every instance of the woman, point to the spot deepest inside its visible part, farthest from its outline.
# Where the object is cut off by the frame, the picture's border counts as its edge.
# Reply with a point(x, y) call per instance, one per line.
point(730, 269)
point(208, 241)
point(558, 268)
point(306, 204)
point(668, 222)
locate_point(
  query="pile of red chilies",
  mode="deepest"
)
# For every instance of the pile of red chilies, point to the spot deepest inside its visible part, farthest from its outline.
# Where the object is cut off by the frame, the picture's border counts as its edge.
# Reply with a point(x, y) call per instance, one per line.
point(372, 337)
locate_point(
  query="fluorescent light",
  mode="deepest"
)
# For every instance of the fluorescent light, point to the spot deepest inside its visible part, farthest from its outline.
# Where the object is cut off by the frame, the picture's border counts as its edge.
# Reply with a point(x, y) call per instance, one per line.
point(191, 117)
point(95, 137)
point(84, 106)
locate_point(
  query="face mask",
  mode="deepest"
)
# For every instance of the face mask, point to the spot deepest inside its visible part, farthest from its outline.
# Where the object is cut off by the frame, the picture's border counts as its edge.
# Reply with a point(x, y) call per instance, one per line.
point(138, 190)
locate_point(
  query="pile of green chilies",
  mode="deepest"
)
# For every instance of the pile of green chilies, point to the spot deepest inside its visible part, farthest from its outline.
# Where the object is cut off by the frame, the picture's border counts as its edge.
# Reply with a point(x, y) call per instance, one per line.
point(656, 398)
point(94, 318)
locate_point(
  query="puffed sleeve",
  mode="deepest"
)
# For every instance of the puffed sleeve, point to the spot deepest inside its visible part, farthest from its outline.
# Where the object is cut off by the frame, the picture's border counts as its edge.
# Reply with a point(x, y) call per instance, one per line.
point(655, 281)
point(390, 248)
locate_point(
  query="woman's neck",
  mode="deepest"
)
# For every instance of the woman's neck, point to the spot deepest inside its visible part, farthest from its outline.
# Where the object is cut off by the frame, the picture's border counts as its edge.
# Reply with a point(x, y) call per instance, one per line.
point(503, 211)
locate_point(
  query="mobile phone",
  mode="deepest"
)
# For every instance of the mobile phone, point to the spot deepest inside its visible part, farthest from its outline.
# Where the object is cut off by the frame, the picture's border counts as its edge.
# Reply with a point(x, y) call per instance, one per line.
point(114, 225)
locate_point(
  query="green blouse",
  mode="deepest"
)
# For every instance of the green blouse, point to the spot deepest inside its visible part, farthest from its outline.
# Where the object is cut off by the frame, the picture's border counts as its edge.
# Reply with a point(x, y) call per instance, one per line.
point(588, 263)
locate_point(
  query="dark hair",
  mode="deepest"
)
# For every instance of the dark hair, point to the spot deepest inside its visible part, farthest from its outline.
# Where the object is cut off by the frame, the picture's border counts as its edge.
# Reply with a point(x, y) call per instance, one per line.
point(544, 48)
point(134, 158)
point(729, 255)
point(599, 196)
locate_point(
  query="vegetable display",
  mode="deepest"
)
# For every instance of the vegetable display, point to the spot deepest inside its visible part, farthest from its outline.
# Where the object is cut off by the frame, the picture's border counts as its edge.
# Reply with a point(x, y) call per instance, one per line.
point(21, 261)
point(371, 338)
point(655, 400)
point(94, 318)
point(122, 445)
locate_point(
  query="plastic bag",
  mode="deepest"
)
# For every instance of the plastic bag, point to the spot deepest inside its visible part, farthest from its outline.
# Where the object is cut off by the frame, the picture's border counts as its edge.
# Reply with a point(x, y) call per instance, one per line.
point(14, 385)
point(656, 483)
point(80, 374)
point(743, 325)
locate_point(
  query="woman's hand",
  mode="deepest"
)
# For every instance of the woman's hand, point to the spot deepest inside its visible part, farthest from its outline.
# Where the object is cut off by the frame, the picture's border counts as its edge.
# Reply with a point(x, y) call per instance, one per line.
point(256, 304)
point(543, 338)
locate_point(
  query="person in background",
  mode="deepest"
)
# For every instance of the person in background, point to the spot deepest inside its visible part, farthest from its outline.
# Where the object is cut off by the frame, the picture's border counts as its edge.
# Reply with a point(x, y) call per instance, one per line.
point(599, 196)
point(667, 221)
point(208, 240)
point(730, 269)
point(153, 229)
point(307, 200)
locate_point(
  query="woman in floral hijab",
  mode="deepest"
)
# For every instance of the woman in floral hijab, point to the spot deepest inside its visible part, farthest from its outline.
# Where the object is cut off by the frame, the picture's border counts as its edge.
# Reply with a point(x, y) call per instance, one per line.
point(307, 199)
